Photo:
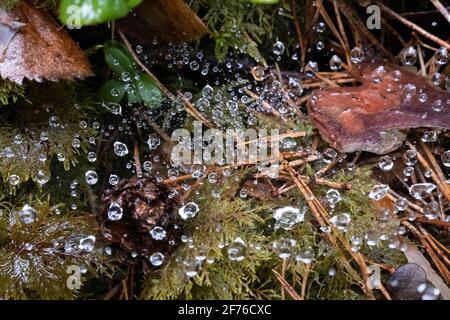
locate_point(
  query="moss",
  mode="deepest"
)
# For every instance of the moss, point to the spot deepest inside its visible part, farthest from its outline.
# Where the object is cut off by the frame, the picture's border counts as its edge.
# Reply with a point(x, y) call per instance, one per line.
point(222, 219)
point(40, 271)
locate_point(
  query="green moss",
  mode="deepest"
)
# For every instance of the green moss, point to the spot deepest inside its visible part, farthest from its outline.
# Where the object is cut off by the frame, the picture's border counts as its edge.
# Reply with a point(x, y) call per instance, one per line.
point(39, 271)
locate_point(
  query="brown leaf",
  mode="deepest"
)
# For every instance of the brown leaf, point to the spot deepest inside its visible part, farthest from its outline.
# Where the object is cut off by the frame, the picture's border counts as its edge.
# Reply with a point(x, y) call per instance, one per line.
point(414, 255)
point(404, 282)
point(369, 117)
point(33, 46)
point(169, 21)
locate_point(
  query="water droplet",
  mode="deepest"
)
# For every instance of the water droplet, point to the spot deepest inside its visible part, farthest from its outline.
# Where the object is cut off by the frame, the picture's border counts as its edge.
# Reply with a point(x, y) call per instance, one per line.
point(120, 149)
point(113, 179)
point(335, 63)
point(423, 97)
point(14, 179)
point(429, 136)
point(76, 143)
point(54, 122)
point(408, 171)
point(357, 55)
point(42, 177)
point(284, 247)
point(378, 192)
point(237, 249)
point(259, 73)
point(28, 214)
point(153, 141)
point(108, 250)
point(341, 221)
point(445, 158)
point(401, 204)
point(212, 178)
point(115, 92)
point(432, 210)
point(288, 217)
point(428, 292)
point(320, 27)
point(156, 259)
point(188, 211)
point(125, 77)
point(421, 190)
point(194, 65)
point(409, 56)
point(386, 163)
point(305, 255)
point(147, 165)
point(441, 56)
point(438, 105)
point(329, 155)
point(87, 244)
point(115, 212)
point(91, 177)
point(158, 233)
point(320, 45)
point(191, 267)
point(333, 196)
point(278, 48)
point(91, 156)
point(410, 157)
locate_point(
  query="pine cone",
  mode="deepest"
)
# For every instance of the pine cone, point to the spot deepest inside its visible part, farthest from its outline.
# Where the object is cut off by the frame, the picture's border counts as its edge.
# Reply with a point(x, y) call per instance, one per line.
point(132, 215)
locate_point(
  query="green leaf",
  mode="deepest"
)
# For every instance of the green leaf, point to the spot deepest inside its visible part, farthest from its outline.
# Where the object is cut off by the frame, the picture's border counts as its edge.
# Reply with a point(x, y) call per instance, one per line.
point(91, 12)
point(148, 91)
point(118, 59)
point(106, 92)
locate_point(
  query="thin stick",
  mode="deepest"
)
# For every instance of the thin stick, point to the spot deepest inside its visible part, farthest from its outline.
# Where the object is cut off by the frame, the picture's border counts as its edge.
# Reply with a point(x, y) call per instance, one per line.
point(413, 26)
point(137, 161)
point(441, 9)
point(298, 32)
point(305, 280)
point(294, 295)
point(283, 274)
point(188, 106)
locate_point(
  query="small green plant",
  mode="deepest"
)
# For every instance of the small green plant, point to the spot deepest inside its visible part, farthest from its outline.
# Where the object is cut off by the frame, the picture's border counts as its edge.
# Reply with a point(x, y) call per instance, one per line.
point(127, 79)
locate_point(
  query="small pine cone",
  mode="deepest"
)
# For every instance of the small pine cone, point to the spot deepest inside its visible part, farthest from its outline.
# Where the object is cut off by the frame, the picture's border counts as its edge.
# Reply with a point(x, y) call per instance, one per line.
point(146, 205)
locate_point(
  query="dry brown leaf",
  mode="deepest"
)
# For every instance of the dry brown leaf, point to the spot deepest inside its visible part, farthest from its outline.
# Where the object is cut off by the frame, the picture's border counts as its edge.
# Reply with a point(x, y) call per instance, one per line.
point(168, 21)
point(34, 47)
point(413, 255)
point(369, 117)
point(404, 282)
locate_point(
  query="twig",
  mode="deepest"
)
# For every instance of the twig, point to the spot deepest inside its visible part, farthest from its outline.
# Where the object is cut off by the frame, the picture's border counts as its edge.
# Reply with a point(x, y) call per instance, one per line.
point(441, 9)
point(413, 26)
point(298, 32)
point(305, 280)
point(294, 295)
point(188, 106)
point(322, 218)
point(137, 161)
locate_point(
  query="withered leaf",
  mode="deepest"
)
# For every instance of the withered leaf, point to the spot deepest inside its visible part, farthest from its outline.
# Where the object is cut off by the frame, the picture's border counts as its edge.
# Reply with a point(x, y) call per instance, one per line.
point(34, 47)
point(168, 21)
point(403, 284)
point(369, 117)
